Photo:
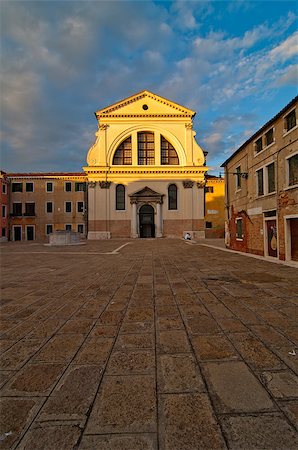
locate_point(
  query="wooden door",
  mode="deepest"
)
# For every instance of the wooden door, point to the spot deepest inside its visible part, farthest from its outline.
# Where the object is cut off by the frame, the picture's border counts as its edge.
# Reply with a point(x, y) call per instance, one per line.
point(294, 239)
point(271, 238)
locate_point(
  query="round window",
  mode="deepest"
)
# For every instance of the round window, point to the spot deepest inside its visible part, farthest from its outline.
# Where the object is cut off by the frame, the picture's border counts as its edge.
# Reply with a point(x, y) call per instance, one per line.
point(145, 107)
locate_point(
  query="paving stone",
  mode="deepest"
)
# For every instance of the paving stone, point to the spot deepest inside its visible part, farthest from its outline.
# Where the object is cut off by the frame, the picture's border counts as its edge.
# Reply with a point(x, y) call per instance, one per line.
point(62, 437)
point(95, 350)
point(290, 408)
point(111, 317)
point(73, 396)
point(131, 362)
point(20, 330)
point(5, 375)
point(17, 355)
point(292, 334)
point(174, 341)
point(254, 352)
point(78, 326)
point(7, 324)
point(61, 348)
point(124, 405)
point(234, 389)
point(170, 323)
point(203, 324)
point(209, 347)
point(186, 299)
point(231, 325)
point(179, 373)
point(104, 331)
point(46, 329)
point(187, 423)
point(262, 432)
point(119, 442)
point(35, 379)
point(270, 336)
point(139, 315)
point(5, 344)
point(189, 311)
point(135, 341)
point(136, 327)
point(281, 384)
point(15, 415)
point(289, 355)
point(167, 311)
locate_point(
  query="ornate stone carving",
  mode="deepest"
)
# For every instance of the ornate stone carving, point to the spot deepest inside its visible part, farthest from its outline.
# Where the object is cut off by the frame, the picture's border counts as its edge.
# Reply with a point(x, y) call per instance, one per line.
point(188, 126)
point(201, 184)
point(103, 126)
point(104, 184)
point(188, 184)
point(92, 184)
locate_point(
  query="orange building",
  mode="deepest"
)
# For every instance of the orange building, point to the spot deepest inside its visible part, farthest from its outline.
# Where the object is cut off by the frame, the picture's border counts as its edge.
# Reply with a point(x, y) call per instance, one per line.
point(4, 204)
point(214, 207)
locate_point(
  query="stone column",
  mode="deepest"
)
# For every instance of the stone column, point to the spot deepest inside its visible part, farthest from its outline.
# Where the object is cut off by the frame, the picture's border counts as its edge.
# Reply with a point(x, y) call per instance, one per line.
point(134, 231)
point(158, 220)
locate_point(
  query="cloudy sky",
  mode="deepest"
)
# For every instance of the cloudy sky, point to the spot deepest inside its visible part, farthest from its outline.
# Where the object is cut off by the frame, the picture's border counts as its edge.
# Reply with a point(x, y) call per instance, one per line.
point(231, 61)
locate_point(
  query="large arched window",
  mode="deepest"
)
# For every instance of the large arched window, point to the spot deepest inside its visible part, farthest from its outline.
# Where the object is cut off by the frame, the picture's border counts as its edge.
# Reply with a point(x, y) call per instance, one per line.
point(120, 197)
point(122, 155)
point(168, 153)
point(172, 196)
point(146, 149)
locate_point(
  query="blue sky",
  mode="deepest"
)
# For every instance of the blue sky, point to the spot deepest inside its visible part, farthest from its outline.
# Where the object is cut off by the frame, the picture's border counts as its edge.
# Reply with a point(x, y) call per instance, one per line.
point(233, 62)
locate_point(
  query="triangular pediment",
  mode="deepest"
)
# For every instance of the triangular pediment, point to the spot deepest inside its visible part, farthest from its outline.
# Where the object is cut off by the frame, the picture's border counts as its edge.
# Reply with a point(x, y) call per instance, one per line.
point(146, 192)
point(145, 104)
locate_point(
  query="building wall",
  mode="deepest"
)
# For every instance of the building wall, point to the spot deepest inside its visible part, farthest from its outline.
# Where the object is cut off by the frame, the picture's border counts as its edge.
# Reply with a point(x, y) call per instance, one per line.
point(58, 218)
point(214, 207)
point(278, 203)
point(4, 207)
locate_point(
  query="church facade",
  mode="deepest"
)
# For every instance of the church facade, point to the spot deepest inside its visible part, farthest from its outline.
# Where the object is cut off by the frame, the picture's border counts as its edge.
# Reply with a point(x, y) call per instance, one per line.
point(145, 171)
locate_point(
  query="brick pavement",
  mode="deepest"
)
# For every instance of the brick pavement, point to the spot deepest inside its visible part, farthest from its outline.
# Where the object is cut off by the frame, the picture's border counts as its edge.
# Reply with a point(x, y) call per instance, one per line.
point(161, 345)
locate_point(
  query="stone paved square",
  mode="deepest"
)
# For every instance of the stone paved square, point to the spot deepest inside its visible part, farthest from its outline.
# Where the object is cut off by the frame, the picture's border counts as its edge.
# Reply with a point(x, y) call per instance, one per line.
point(162, 345)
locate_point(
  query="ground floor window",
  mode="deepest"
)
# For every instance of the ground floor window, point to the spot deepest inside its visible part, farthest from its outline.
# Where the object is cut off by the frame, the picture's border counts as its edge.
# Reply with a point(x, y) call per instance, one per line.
point(68, 227)
point(239, 229)
point(49, 229)
point(3, 232)
point(208, 224)
point(80, 228)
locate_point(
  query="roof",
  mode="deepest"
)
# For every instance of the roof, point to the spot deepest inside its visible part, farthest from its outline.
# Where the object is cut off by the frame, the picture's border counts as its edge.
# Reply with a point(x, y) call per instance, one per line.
point(263, 128)
point(45, 174)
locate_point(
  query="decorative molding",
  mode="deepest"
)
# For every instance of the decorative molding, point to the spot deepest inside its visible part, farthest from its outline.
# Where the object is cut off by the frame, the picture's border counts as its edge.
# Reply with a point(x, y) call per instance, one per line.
point(103, 126)
point(92, 184)
point(201, 184)
point(188, 126)
point(104, 184)
point(187, 184)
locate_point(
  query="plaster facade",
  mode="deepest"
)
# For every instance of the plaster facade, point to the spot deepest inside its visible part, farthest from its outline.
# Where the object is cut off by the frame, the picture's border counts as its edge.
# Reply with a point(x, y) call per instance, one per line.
point(262, 190)
point(214, 207)
point(151, 127)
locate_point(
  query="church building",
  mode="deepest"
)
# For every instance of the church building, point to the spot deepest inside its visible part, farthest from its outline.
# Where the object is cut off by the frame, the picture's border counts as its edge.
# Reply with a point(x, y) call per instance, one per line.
point(146, 172)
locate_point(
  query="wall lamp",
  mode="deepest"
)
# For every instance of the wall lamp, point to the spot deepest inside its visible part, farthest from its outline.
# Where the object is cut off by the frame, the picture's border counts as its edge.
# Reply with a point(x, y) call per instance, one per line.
point(242, 174)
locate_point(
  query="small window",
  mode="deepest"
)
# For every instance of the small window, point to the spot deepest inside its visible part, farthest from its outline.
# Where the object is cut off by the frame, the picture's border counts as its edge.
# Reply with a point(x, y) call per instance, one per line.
point(3, 232)
point(271, 177)
point(49, 229)
point(17, 187)
point(293, 170)
point(239, 230)
point(68, 207)
point(208, 224)
point(79, 186)
point(146, 149)
point(68, 227)
point(120, 197)
point(172, 197)
point(29, 209)
point(259, 145)
point(49, 207)
point(49, 187)
point(3, 211)
point(260, 182)
point(290, 120)
point(4, 188)
point(68, 186)
point(123, 153)
point(29, 187)
point(81, 228)
point(80, 207)
point(269, 137)
point(209, 189)
point(238, 177)
point(17, 209)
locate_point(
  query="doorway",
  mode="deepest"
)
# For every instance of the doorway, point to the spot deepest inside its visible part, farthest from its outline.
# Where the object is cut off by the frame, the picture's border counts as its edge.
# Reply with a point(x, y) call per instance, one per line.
point(147, 227)
point(17, 233)
point(294, 239)
point(271, 237)
point(30, 232)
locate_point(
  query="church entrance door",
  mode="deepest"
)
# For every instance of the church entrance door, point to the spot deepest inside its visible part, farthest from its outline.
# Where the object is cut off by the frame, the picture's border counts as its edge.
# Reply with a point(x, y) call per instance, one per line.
point(147, 227)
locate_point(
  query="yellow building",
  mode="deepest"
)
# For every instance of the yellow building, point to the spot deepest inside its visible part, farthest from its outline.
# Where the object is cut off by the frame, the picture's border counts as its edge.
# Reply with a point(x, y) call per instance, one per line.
point(145, 171)
point(214, 207)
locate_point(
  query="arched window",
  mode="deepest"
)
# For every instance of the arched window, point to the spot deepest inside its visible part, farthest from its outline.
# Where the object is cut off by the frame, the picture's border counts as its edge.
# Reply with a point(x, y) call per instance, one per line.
point(146, 149)
point(168, 153)
point(172, 196)
point(120, 197)
point(122, 155)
